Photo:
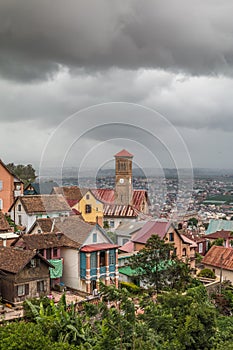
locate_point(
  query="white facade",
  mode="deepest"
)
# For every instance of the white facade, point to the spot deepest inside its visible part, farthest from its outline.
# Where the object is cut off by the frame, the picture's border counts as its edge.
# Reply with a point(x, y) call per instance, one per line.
point(21, 218)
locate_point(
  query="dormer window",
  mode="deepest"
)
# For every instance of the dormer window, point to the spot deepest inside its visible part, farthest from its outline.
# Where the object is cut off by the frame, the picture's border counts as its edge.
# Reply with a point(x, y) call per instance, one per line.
point(94, 237)
point(19, 207)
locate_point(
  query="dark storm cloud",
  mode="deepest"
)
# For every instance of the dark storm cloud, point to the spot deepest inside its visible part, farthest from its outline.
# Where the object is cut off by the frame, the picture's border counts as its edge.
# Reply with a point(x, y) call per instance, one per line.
point(39, 37)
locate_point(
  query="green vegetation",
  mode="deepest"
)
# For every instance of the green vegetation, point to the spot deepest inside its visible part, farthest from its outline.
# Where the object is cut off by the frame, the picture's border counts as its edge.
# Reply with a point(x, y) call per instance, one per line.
point(173, 320)
point(26, 173)
point(158, 269)
point(131, 287)
point(207, 273)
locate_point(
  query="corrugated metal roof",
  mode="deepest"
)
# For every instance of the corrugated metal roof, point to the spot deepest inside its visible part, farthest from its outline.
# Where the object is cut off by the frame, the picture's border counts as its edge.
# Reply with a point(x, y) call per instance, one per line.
point(128, 247)
point(220, 234)
point(104, 194)
point(98, 246)
point(153, 227)
point(219, 257)
point(217, 225)
point(116, 210)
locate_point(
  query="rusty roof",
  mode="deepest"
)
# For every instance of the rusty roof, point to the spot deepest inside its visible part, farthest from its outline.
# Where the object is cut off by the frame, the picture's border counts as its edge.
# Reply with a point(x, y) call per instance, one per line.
point(116, 210)
point(139, 196)
point(14, 260)
point(4, 225)
point(104, 195)
point(219, 257)
point(124, 153)
point(44, 203)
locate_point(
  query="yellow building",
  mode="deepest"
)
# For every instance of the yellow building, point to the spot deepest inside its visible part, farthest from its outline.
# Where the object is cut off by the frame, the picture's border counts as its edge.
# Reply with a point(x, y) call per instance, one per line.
point(90, 208)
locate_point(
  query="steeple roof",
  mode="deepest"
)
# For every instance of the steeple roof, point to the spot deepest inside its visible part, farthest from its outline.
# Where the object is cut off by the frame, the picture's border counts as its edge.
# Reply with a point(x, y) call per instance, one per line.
point(124, 153)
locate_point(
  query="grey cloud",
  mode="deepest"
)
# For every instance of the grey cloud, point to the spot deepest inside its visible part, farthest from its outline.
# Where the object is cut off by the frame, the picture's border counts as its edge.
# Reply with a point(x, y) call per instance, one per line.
point(40, 37)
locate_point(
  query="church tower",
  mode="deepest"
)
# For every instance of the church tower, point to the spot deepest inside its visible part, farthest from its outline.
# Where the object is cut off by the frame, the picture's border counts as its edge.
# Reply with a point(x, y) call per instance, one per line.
point(124, 180)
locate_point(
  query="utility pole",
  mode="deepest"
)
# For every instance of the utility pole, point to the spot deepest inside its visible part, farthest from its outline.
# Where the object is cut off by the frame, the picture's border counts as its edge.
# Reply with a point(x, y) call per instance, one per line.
point(221, 261)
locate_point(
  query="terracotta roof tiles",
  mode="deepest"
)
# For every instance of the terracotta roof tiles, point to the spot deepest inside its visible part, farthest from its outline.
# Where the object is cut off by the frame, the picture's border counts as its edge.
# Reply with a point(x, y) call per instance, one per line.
point(44, 203)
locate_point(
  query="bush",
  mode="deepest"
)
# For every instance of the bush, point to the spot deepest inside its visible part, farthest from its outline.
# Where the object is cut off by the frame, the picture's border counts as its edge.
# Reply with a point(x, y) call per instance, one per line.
point(207, 273)
point(131, 287)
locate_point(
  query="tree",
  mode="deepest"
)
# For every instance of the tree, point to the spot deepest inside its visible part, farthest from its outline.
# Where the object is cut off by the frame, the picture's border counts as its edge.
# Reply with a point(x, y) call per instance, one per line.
point(193, 222)
point(157, 267)
point(26, 173)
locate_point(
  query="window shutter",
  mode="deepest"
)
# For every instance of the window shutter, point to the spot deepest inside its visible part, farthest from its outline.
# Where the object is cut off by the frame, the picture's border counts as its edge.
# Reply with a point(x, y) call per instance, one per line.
point(26, 289)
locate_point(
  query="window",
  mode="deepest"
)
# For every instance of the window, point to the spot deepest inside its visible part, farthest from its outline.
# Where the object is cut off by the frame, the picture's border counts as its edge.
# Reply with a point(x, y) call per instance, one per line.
point(55, 252)
point(40, 286)
point(102, 258)
point(87, 196)
point(94, 238)
point(171, 236)
point(184, 252)
point(97, 209)
point(1, 204)
point(20, 220)
point(23, 289)
point(111, 223)
point(1, 185)
point(111, 257)
point(48, 253)
point(88, 209)
point(19, 207)
point(93, 260)
point(200, 248)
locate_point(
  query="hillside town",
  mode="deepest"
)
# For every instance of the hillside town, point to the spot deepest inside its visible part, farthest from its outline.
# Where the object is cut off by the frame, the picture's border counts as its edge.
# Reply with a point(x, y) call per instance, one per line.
point(55, 239)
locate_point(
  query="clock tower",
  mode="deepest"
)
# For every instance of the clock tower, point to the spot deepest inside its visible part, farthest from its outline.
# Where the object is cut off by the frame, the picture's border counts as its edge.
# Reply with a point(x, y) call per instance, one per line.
point(124, 180)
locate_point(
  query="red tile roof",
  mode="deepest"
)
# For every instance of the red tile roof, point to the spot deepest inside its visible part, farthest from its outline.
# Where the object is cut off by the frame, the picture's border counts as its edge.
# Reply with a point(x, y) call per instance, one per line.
point(123, 153)
point(98, 246)
point(44, 203)
point(219, 257)
point(150, 228)
point(14, 260)
point(72, 194)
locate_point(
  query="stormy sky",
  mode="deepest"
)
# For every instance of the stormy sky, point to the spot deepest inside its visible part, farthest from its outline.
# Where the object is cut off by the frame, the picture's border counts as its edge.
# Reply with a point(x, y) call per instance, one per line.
point(80, 80)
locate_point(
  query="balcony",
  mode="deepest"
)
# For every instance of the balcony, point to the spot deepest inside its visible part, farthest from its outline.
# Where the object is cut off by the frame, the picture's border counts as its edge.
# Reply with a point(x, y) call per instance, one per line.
point(111, 268)
point(102, 270)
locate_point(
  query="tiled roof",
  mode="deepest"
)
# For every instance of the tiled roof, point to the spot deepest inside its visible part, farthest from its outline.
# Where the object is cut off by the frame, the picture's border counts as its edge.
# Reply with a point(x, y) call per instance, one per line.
point(72, 226)
point(14, 260)
point(44, 241)
point(219, 257)
point(220, 234)
point(153, 227)
point(97, 247)
point(44, 203)
point(4, 225)
point(217, 225)
point(116, 210)
point(72, 194)
point(124, 153)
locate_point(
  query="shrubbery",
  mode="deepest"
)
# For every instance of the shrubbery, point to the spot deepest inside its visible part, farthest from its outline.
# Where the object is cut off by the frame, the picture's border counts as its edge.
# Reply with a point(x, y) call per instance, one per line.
point(207, 273)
